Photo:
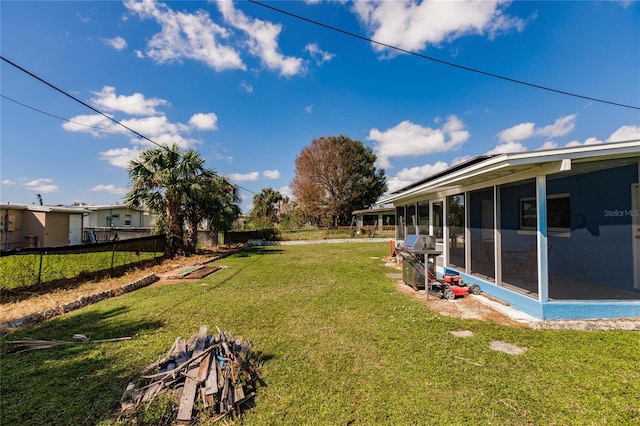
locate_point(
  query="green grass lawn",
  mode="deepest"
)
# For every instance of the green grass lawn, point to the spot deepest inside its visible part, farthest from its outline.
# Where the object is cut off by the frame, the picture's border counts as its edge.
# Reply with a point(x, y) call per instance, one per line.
point(31, 269)
point(341, 345)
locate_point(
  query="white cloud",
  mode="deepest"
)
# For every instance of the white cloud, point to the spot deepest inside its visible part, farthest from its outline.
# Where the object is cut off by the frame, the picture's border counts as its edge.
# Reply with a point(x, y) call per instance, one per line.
point(160, 130)
point(413, 25)
point(271, 174)
point(224, 157)
point(308, 109)
point(549, 145)
point(157, 128)
point(120, 157)
point(262, 40)
point(319, 55)
point(8, 182)
point(409, 139)
point(44, 185)
point(246, 86)
point(518, 132)
point(111, 189)
point(625, 3)
point(507, 147)
point(510, 139)
point(239, 177)
point(135, 104)
point(286, 192)
point(411, 175)
point(561, 127)
point(625, 133)
point(186, 36)
point(202, 121)
point(97, 125)
point(139, 54)
point(460, 160)
point(117, 43)
point(588, 141)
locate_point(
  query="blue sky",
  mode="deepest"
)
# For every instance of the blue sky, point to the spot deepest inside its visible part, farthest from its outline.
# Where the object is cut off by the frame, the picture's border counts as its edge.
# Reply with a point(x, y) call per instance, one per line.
point(249, 87)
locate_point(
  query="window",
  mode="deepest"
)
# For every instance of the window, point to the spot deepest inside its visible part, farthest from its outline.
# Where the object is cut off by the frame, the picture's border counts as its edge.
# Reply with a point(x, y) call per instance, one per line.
point(127, 220)
point(558, 212)
point(423, 217)
point(456, 225)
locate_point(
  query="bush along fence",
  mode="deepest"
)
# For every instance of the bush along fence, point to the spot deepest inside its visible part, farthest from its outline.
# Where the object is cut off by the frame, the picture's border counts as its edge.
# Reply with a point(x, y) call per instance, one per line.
point(34, 266)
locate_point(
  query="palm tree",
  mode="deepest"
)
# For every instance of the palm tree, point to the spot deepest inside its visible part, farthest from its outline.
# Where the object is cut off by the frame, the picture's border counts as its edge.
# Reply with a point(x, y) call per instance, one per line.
point(266, 204)
point(161, 179)
point(225, 210)
point(200, 201)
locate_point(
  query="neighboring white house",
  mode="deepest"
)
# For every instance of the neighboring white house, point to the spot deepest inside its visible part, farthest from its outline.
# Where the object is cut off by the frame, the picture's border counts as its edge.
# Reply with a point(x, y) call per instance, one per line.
point(380, 217)
point(554, 233)
point(103, 222)
point(118, 216)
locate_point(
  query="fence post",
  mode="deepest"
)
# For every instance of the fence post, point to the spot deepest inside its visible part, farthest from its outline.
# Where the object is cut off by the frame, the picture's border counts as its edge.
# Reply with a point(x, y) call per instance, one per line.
point(113, 255)
point(40, 267)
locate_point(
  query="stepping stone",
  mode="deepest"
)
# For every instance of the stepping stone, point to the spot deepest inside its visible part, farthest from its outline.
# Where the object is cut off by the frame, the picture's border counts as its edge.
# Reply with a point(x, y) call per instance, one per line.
point(506, 348)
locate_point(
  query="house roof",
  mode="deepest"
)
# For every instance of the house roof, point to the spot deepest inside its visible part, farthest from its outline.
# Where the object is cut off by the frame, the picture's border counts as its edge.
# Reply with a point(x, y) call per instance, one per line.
point(94, 207)
point(375, 210)
point(483, 170)
point(45, 209)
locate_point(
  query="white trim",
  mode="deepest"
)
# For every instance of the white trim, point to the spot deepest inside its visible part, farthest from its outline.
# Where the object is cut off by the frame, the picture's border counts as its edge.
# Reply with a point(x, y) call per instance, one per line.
point(467, 235)
point(635, 232)
point(445, 234)
point(431, 218)
point(542, 249)
point(562, 156)
point(497, 236)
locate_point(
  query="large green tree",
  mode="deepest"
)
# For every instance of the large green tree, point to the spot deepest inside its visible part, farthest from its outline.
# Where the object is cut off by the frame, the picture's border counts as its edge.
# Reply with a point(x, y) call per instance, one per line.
point(164, 180)
point(336, 175)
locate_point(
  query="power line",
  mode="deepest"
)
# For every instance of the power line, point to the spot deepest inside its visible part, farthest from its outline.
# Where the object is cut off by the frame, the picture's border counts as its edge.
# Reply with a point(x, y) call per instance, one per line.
point(451, 64)
point(86, 105)
point(56, 88)
point(60, 118)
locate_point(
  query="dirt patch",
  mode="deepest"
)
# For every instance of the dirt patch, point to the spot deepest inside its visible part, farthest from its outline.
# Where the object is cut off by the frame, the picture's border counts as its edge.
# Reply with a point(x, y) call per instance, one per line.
point(14, 308)
point(468, 307)
point(461, 307)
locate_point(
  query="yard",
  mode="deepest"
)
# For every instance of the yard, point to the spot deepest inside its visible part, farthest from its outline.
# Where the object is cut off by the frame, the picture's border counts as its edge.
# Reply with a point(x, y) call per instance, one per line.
point(341, 346)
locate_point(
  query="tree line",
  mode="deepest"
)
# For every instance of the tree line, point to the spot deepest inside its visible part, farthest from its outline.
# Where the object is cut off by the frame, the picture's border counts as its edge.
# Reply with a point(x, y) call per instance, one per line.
point(334, 176)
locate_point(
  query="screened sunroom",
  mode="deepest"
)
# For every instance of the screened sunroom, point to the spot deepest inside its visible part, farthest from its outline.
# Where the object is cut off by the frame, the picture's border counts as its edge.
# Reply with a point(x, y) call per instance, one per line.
point(554, 233)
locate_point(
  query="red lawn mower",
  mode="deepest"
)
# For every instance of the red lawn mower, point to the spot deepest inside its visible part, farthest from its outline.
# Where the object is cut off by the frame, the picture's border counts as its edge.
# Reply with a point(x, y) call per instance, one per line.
point(419, 251)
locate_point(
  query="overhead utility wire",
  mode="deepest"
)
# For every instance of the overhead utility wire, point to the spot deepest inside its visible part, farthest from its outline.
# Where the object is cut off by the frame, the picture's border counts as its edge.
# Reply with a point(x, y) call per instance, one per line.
point(86, 105)
point(60, 118)
point(451, 64)
point(54, 87)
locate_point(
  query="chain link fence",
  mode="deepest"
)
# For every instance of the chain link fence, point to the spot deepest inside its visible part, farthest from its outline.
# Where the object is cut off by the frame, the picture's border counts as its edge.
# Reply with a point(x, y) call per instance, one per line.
point(34, 266)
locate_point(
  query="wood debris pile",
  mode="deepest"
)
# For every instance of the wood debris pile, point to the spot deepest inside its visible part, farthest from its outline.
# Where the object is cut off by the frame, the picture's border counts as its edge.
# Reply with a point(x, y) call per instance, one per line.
point(219, 372)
